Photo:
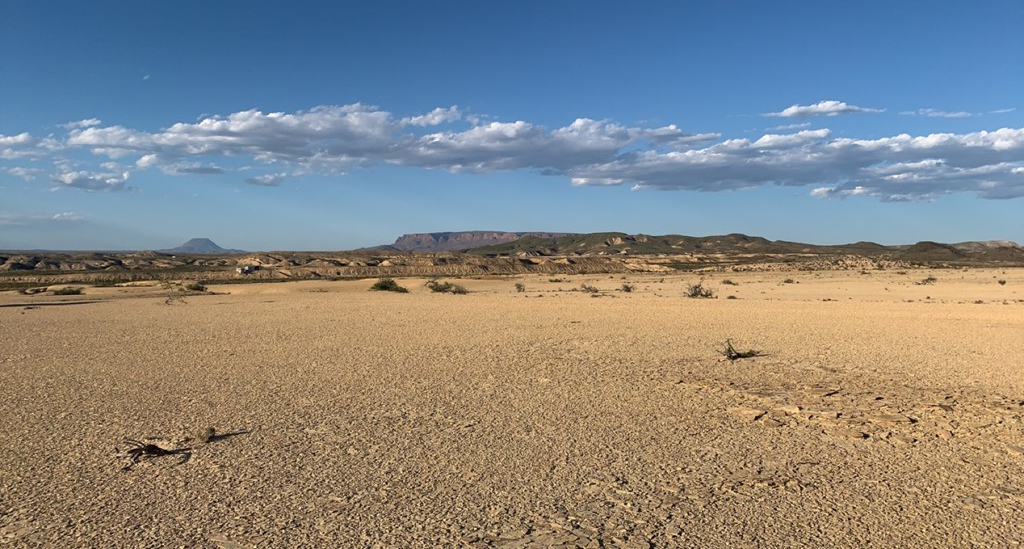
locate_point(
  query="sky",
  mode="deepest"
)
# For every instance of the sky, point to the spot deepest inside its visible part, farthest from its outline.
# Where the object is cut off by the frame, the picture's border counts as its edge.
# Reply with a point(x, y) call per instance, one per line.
point(303, 125)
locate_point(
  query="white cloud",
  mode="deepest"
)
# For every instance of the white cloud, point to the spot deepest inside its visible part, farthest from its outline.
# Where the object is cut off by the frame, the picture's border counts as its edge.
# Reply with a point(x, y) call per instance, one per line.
point(85, 123)
point(787, 127)
point(515, 145)
point(587, 152)
point(932, 113)
point(1002, 111)
point(435, 117)
point(822, 108)
point(28, 174)
point(892, 168)
point(20, 139)
point(92, 181)
point(269, 180)
point(67, 216)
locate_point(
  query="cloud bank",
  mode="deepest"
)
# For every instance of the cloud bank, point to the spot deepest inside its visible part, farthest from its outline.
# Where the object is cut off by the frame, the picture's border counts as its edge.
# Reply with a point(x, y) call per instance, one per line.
point(268, 148)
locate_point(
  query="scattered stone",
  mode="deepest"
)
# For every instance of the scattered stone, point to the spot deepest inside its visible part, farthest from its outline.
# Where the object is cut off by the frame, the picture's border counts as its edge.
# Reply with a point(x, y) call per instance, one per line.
point(749, 414)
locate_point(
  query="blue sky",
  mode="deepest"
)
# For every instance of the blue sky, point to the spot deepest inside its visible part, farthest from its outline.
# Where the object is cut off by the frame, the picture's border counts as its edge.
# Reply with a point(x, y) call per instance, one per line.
point(335, 125)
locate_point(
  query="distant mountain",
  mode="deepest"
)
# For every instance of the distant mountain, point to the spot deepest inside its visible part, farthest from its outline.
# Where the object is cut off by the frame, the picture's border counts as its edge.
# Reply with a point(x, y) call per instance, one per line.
point(640, 244)
point(200, 246)
point(455, 241)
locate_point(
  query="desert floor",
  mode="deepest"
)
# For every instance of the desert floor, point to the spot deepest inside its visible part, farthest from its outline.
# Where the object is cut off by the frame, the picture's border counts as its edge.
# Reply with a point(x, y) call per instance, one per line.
point(884, 413)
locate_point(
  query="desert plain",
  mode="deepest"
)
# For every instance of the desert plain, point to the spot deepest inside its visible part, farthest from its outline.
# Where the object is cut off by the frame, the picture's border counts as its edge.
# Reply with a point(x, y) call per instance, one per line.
point(882, 412)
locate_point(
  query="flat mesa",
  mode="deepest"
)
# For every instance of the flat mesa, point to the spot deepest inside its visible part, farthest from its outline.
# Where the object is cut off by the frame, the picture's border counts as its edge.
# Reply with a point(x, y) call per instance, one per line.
point(534, 410)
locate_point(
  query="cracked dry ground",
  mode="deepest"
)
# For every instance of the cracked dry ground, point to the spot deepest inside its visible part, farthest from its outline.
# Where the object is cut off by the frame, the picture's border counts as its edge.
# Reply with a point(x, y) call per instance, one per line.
point(498, 419)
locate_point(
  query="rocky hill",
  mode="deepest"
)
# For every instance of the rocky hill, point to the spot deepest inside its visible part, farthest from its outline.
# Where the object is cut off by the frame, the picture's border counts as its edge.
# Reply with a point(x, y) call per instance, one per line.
point(461, 240)
point(743, 245)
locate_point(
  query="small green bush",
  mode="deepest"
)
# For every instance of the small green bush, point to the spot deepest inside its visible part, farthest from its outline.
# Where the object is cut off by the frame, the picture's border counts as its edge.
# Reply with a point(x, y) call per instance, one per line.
point(446, 287)
point(698, 290)
point(628, 288)
point(388, 285)
point(588, 289)
point(68, 290)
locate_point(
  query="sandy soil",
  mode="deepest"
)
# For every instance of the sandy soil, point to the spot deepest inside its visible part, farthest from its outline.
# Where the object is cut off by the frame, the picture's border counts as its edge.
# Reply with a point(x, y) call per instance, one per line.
point(884, 414)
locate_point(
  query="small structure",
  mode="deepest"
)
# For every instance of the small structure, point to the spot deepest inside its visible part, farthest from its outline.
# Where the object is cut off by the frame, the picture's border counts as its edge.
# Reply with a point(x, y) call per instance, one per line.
point(247, 270)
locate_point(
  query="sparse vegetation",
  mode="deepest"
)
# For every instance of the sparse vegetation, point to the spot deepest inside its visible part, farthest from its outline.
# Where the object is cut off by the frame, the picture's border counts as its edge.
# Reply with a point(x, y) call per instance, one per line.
point(446, 287)
point(385, 284)
point(195, 287)
point(588, 289)
point(927, 281)
point(520, 287)
point(556, 280)
point(209, 434)
point(68, 290)
point(732, 297)
point(731, 353)
point(728, 282)
point(789, 281)
point(1002, 282)
point(698, 290)
point(628, 288)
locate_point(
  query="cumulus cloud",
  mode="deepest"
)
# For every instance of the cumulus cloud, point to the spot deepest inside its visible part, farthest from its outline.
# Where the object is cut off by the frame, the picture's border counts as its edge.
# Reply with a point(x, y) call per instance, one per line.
point(587, 152)
point(933, 113)
point(822, 108)
point(893, 168)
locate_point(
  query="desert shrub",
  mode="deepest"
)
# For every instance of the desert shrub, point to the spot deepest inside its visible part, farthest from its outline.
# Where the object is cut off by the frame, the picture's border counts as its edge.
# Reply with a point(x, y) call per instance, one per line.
point(698, 290)
point(731, 353)
point(385, 284)
point(588, 289)
point(1002, 283)
point(728, 282)
point(446, 287)
point(732, 297)
point(628, 288)
point(789, 281)
point(195, 287)
point(556, 280)
point(520, 287)
point(927, 281)
point(68, 290)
